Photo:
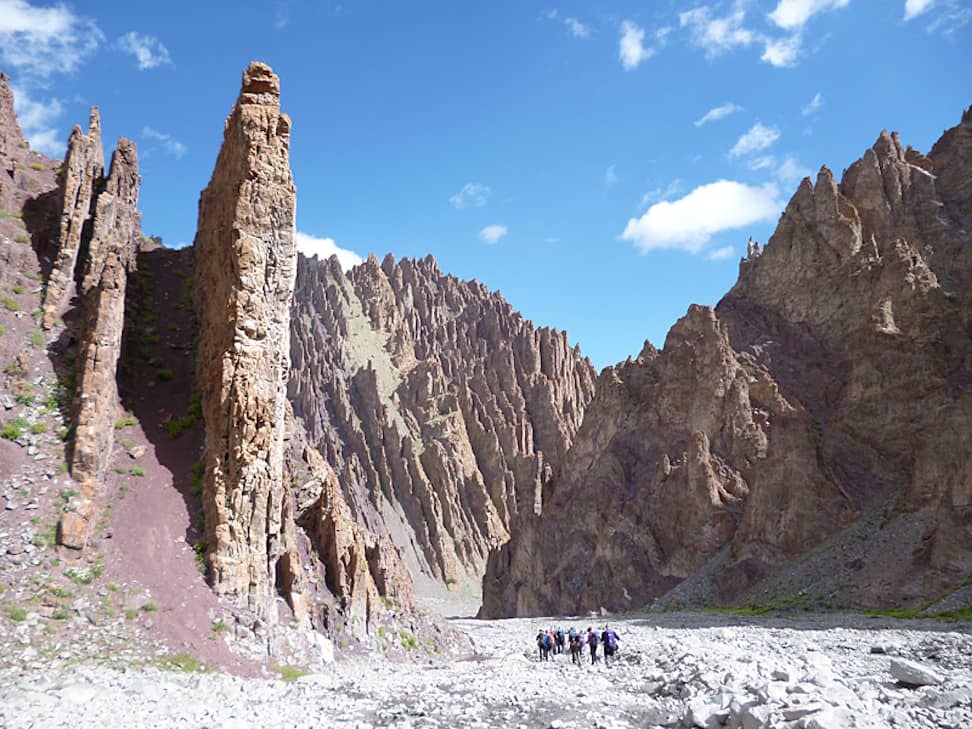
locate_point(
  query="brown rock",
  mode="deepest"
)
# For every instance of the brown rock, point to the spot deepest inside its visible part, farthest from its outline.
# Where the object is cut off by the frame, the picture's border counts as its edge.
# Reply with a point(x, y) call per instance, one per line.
point(436, 403)
point(81, 174)
point(72, 531)
point(831, 381)
point(244, 282)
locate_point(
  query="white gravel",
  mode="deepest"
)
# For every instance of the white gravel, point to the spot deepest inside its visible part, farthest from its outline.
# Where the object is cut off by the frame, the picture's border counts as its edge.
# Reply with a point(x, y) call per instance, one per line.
point(672, 670)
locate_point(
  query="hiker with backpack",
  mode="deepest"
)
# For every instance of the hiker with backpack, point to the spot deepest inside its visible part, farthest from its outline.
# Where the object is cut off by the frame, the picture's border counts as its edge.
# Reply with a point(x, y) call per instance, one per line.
point(610, 640)
point(592, 644)
point(559, 640)
point(576, 649)
point(542, 645)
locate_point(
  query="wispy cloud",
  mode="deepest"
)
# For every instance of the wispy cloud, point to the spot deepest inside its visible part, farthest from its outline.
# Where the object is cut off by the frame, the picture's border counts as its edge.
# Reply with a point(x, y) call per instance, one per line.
point(953, 15)
point(790, 171)
point(172, 146)
point(551, 239)
point(689, 223)
point(281, 14)
point(574, 26)
point(758, 138)
point(632, 50)
point(492, 233)
point(37, 120)
point(674, 187)
point(611, 176)
point(794, 14)
point(783, 52)
point(41, 41)
point(720, 254)
point(814, 105)
point(714, 34)
point(472, 195)
point(717, 112)
point(914, 8)
point(148, 50)
point(324, 248)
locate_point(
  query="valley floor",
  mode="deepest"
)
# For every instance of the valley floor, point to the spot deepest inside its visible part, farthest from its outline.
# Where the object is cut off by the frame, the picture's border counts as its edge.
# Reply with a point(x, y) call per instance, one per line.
point(673, 669)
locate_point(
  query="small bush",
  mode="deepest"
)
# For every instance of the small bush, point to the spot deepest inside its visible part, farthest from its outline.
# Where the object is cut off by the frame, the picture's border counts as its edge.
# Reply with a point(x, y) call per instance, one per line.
point(36, 166)
point(17, 614)
point(220, 627)
point(62, 467)
point(149, 607)
point(164, 374)
point(121, 470)
point(33, 276)
point(17, 289)
point(36, 338)
point(409, 641)
point(183, 662)
point(14, 429)
point(3, 330)
point(290, 673)
point(38, 428)
point(131, 614)
point(112, 587)
point(80, 575)
point(25, 398)
point(138, 471)
point(60, 593)
point(22, 239)
point(125, 422)
point(10, 303)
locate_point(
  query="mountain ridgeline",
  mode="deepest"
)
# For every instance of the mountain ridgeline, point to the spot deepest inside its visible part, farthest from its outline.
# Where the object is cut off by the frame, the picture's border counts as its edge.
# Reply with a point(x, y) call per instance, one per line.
point(806, 442)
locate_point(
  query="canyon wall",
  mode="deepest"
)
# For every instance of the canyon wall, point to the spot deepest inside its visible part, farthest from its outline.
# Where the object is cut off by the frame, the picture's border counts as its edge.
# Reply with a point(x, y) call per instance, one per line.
point(804, 437)
point(439, 407)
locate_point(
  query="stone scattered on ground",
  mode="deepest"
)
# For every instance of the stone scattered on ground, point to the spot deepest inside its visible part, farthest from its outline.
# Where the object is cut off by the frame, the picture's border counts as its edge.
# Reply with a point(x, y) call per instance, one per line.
point(673, 670)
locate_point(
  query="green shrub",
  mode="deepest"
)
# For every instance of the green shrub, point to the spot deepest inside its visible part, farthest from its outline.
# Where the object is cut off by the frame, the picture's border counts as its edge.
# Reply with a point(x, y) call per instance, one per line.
point(164, 374)
point(36, 338)
point(14, 429)
point(183, 662)
point(149, 607)
point(290, 673)
point(33, 276)
point(128, 420)
point(138, 471)
point(17, 614)
point(17, 289)
point(10, 303)
point(22, 239)
point(38, 428)
point(131, 614)
point(123, 470)
point(3, 330)
point(37, 166)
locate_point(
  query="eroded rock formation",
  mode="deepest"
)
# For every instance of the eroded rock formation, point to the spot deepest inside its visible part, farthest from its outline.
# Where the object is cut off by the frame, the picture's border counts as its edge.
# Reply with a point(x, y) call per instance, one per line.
point(825, 398)
point(78, 187)
point(438, 405)
point(244, 282)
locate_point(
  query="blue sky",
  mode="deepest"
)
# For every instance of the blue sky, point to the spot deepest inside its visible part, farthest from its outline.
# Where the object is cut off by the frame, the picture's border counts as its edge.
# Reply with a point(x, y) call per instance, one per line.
point(601, 164)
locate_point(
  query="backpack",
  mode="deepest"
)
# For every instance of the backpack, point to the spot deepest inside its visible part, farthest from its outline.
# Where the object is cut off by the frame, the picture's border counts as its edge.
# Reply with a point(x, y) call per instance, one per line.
point(592, 638)
point(612, 640)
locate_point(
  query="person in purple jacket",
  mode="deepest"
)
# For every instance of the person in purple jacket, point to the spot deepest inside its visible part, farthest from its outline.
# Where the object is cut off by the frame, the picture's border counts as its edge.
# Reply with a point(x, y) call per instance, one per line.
point(592, 644)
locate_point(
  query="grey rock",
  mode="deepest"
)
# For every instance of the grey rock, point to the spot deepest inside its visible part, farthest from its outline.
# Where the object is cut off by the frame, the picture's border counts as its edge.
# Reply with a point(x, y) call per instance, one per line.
point(913, 674)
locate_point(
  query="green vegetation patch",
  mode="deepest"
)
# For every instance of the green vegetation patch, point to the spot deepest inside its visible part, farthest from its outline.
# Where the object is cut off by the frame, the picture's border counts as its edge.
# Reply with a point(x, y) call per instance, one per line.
point(14, 429)
point(15, 613)
point(291, 673)
point(10, 303)
point(125, 422)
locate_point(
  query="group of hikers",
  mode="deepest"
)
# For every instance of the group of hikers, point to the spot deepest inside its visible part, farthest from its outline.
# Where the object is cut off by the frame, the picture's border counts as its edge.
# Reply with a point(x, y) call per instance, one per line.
point(555, 640)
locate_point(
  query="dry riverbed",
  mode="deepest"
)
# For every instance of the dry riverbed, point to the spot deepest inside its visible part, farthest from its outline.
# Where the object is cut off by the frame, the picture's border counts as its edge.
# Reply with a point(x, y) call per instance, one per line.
point(672, 670)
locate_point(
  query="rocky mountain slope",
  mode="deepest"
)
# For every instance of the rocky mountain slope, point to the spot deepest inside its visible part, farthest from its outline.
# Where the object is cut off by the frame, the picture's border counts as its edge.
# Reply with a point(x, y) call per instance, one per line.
point(439, 407)
point(806, 441)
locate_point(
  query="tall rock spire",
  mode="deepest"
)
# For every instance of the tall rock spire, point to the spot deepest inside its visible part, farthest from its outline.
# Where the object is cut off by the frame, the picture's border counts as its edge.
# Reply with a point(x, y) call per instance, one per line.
point(244, 283)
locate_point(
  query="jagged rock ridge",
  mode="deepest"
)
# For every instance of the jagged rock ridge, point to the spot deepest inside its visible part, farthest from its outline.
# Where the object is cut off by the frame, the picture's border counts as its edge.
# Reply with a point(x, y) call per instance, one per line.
point(826, 396)
point(439, 407)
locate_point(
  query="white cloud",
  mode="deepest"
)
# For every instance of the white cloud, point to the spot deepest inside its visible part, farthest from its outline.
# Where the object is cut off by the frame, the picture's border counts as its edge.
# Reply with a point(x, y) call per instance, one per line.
point(814, 105)
point(472, 195)
point(148, 50)
point(782, 52)
point(718, 112)
point(762, 163)
point(492, 233)
point(324, 248)
point(791, 171)
point(41, 41)
point(674, 187)
point(720, 254)
point(758, 138)
point(690, 222)
point(574, 26)
point(954, 16)
point(914, 8)
point(717, 35)
point(610, 176)
point(37, 120)
point(631, 48)
point(793, 14)
point(551, 239)
point(172, 146)
point(281, 14)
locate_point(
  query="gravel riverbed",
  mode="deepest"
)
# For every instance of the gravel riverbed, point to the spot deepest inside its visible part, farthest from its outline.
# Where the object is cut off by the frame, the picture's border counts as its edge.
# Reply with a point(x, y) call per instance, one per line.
point(815, 672)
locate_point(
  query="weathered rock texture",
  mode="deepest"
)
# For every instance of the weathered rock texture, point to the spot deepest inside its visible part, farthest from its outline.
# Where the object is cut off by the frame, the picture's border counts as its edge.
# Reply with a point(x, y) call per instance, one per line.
point(244, 282)
point(828, 395)
point(12, 142)
point(100, 217)
point(438, 406)
point(78, 187)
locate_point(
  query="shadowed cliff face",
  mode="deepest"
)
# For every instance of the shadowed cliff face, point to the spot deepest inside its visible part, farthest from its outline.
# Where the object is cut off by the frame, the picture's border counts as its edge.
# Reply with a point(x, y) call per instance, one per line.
point(828, 390)
point(438, 406)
